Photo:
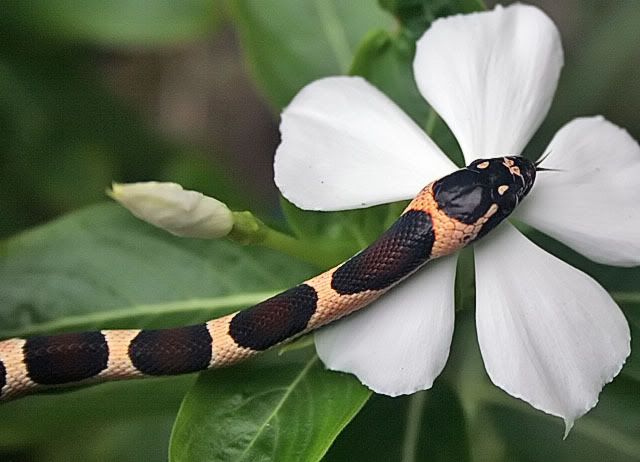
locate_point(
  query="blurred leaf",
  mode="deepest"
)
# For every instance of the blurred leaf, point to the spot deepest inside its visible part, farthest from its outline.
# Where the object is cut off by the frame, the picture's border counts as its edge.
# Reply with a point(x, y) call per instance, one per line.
point(426, 426)
point(600, 75)
point(609, 49)
point(63, 138)
point(632, 366)
point(291, 409)
point(609, 432)
point(125, 421)
point(290, 43)
point(195, 172)
point(416, 15)
point(102, 268)
point(118, 23)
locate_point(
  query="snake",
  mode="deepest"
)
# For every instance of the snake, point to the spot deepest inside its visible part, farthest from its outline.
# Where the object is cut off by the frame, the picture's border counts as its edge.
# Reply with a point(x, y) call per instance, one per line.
point(445, 216)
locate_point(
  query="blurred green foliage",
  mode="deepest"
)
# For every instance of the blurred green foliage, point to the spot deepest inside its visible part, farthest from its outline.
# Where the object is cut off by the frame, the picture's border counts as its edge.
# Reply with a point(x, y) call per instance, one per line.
point(65, 134)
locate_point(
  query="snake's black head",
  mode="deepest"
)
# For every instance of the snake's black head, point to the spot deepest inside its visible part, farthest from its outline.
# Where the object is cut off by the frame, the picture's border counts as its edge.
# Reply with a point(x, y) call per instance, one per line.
point(486, 188)
point(507, 179)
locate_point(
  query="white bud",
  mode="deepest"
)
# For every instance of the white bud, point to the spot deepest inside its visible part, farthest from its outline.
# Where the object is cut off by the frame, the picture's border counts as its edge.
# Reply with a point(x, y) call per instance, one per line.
point(176, 210)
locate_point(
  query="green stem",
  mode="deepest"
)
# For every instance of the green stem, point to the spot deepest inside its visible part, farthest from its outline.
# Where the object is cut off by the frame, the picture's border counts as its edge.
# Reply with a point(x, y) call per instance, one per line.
point(335, 32)
point(417, 403)
point(247, 229)
point(430, 124)
point(626, 297)
point(300, 249)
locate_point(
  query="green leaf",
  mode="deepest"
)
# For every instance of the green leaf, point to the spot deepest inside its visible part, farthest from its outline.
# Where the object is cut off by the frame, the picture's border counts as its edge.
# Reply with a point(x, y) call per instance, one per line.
point(594, 77)
point(290, 43)
point(600, 75)
point(64, 137)
point(631, 368)
point(609, 432)
point(416, 15)
point(289, 409)
point(103, 268)
point(125, 421)
point(429, 425)
point(118, 23)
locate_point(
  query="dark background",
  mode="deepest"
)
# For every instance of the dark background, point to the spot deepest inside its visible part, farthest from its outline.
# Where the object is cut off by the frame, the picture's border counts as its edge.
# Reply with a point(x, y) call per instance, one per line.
point(80, 109)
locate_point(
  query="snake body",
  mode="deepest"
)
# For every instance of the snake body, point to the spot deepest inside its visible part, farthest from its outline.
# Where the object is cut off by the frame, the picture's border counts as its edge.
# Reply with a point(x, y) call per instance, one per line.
point(445, 216)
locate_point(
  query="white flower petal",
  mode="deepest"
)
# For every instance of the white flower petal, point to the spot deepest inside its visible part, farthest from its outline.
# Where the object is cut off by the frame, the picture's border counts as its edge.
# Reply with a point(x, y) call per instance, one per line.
point(346, 145)
point(549, 334)
point(491, 76)
point(593, 204)
point(400, 343)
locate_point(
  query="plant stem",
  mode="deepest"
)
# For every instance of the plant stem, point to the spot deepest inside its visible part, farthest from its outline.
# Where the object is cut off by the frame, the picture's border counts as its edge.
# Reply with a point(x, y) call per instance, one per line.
point(626, 297)
point(312, 253)
point(412, 431)
point(430, 124)
point(247, 229)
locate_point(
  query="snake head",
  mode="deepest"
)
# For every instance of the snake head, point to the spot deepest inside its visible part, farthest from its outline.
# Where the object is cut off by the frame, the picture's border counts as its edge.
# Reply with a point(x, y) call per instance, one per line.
point(505, 180)
point(486, 191)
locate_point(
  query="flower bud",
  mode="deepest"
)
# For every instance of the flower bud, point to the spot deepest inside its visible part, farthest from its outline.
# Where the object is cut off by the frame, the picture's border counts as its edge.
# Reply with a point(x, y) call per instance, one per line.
point(176, 210)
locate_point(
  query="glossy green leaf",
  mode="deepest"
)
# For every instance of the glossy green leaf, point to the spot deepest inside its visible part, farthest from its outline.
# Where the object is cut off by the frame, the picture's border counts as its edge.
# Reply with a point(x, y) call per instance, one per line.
point(117, 22)
point(287, 409)
point(125, 421)
point(290, 43)
point(103, 268)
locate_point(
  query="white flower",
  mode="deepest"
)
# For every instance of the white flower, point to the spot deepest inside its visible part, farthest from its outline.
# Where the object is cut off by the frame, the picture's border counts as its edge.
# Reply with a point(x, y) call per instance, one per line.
point(176, 210)
point(549, 334)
